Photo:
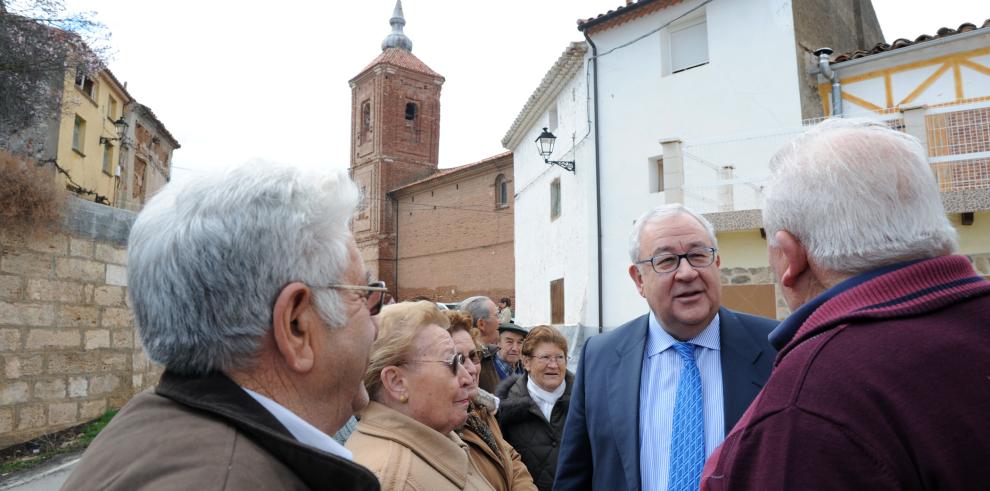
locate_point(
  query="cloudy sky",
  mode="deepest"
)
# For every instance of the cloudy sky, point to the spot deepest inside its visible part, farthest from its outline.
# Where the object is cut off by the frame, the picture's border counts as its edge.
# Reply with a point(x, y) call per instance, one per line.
point(236, 81)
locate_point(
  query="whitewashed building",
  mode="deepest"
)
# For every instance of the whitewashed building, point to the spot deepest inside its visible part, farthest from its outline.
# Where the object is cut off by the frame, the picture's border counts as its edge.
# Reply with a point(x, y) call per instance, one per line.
point(677, 99)
point(555, 241)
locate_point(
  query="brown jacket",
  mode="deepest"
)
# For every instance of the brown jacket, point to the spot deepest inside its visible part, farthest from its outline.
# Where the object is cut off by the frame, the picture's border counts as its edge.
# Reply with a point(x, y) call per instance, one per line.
point(407, 455)
point(488, 377)
point(206, 434)
point(503, 469)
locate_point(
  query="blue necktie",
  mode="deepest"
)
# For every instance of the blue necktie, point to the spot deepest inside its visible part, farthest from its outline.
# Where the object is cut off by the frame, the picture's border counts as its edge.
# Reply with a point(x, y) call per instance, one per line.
point(687, 440)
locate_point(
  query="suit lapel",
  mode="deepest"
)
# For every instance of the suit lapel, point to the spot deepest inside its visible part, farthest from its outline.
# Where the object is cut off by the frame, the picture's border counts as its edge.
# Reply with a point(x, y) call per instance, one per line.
point(740, 379)
point(623, 396)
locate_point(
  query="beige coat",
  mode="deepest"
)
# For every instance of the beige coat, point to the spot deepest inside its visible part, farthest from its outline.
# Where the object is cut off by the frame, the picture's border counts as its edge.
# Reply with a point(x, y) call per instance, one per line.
point(206, 434)
point(504, 470)
point(407, 455)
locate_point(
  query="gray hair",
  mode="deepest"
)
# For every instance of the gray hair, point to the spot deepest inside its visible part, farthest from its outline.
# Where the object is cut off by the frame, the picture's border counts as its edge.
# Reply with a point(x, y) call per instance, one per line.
point(662, 212)
point(207, 260)
point(858, 195)
point(476, 306)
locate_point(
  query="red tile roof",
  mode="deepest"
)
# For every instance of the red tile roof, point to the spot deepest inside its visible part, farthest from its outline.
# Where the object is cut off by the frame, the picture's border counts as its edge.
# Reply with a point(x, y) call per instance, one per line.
point(454, 170)
point(401, 58)
point(901, 43)
point(623, 14)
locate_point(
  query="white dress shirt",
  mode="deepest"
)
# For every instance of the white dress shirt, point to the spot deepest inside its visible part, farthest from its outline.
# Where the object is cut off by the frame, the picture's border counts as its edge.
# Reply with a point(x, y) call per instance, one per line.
point(303, 431)
point(658, 391)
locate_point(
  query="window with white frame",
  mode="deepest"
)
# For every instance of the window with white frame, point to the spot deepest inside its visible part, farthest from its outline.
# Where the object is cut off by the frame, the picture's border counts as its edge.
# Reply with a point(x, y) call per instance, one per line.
point(78, 134)
point(688, 44)
point(85, 84)
point(108, 158)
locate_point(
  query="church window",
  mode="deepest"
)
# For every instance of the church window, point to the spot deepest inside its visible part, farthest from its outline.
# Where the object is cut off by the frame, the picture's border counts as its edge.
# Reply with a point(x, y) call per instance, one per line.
point(501, 191)
point(365, 121)
point(411, 111)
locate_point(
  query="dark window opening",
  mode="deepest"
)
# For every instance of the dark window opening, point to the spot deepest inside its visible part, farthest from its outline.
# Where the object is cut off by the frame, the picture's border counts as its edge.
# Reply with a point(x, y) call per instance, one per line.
point(410, 111)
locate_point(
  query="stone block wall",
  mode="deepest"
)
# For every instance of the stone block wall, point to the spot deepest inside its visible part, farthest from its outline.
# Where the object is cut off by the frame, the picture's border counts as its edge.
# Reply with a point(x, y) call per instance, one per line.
point(763, 276)
point(68, 345)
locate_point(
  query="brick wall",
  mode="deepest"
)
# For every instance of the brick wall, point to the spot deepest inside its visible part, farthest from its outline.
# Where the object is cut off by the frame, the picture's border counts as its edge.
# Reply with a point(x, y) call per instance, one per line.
point(453, 241)
point(68, 346)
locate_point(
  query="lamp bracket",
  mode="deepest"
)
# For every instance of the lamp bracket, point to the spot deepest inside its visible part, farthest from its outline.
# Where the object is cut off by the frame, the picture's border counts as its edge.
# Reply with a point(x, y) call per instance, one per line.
point(566, 164)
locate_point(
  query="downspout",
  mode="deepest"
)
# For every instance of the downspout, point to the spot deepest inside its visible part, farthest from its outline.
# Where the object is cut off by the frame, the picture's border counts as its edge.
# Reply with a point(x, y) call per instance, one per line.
point(598, 181)
point(395, 255)
point(827, 72)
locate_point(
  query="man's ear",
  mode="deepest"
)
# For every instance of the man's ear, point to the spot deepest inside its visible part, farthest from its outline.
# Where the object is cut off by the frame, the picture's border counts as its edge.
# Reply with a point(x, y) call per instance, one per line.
point(795, 255)
point(294, 324)
point(637, 278)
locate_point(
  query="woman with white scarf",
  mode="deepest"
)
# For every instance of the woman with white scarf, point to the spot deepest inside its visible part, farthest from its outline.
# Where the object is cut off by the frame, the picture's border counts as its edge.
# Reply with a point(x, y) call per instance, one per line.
point(533, 406)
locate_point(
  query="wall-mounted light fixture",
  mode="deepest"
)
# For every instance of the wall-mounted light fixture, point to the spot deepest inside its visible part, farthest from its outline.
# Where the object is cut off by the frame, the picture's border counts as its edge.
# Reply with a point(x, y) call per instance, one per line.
point(544, 143)
point(121, 127)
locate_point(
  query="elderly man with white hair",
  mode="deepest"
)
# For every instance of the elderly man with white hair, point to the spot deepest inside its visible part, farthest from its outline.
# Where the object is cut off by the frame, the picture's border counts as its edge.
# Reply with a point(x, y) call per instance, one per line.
point(248, 288)
point(881, 381)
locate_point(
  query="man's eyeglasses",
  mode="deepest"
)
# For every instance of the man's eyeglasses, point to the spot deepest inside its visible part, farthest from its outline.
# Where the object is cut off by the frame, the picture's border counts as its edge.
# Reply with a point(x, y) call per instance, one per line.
point(374, 294)
point(454, 362)
point(700, 257)
point(546, 359)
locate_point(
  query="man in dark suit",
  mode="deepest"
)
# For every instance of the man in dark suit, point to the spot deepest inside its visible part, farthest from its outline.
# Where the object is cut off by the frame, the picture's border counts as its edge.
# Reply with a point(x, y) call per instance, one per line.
point(654, 397)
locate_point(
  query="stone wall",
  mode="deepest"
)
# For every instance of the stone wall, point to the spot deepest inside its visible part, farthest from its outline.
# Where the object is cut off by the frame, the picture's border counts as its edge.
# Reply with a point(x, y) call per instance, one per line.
point(763, 276)
point(68, 346)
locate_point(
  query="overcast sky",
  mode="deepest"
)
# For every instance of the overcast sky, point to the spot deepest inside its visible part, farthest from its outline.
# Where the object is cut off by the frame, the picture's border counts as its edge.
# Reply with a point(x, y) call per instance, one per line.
point(236, 81)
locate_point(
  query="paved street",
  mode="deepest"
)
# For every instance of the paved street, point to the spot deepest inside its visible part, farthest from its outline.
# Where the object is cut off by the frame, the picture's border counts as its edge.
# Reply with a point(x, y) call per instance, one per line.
point(48, 479)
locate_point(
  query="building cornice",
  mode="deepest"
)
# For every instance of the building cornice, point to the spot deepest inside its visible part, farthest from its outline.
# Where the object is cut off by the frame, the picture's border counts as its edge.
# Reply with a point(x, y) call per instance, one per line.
point(569, 62)
point(454, 174)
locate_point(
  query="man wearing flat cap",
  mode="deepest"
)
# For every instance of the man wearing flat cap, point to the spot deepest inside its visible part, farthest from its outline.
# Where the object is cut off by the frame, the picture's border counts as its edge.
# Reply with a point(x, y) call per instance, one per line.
point(505, 361)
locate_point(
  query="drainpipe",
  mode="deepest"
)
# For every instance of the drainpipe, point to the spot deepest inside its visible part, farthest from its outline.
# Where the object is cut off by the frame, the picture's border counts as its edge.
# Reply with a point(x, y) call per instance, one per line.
point(395, 254)
point(827, 72)
point(598, 182)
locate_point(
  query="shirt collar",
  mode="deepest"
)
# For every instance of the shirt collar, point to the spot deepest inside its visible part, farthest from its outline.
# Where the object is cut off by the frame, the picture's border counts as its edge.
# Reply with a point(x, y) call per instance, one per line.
point(658, 340)
point(300, 429)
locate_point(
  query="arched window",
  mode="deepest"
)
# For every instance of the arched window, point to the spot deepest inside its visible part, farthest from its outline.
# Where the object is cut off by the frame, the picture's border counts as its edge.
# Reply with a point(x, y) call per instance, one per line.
point(501, 191)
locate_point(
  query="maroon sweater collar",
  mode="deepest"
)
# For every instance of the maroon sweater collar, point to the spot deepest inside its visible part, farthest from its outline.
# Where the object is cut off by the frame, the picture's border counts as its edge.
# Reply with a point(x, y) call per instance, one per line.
point(918, 288)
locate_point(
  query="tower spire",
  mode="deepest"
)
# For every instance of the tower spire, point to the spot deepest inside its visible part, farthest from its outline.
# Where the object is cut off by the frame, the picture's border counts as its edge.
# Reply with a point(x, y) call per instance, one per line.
point(397, 38)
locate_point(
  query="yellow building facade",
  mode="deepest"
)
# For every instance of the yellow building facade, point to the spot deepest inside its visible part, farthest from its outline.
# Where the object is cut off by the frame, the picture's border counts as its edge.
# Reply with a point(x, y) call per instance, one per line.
point(936, 88)
point(88, 143)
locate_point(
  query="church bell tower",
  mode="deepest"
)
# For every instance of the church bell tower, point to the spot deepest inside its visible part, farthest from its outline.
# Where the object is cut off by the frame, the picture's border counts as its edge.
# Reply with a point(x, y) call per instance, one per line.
point(395, 140)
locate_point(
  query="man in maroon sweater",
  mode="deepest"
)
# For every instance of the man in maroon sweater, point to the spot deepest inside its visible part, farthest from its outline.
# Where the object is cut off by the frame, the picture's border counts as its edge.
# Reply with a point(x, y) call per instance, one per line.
point(882, 380)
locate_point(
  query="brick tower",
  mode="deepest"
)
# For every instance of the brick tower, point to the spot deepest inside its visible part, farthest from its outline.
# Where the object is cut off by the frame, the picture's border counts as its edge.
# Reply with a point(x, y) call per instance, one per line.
point(395, 140)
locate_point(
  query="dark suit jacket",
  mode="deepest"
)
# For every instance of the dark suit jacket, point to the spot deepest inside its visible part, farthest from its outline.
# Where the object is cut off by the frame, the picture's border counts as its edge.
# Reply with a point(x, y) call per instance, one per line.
point(600, 446)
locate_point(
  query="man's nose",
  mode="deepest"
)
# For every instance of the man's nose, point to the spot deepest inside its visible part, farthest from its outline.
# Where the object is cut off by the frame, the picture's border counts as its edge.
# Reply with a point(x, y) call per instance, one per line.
point(685, 271)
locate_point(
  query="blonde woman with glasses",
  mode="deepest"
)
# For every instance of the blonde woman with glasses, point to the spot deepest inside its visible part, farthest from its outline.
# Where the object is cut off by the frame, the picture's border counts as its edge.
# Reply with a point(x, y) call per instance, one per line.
point(420, 389)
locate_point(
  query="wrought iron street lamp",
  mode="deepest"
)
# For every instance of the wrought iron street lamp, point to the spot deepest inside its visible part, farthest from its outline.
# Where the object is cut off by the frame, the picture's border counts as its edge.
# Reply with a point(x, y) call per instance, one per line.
point(121, 127)
point(544, 143)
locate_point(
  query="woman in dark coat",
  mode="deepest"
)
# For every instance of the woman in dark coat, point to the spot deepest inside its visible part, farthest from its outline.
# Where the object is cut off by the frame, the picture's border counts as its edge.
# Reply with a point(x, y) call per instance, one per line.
point(533, 406)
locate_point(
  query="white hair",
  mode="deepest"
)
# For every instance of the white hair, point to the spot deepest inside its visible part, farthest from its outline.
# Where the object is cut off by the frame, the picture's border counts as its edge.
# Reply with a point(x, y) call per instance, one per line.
point(858, 195)
point(662, 212)
point(207, 260)
point(477, 306)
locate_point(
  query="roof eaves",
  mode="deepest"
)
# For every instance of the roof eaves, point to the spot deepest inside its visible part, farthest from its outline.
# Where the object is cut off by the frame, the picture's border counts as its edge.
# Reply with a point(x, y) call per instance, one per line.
point(148, 113)
point(904, 43)
point(623, 14)
point(122, 87)
point(562, 70)
point(452, 172)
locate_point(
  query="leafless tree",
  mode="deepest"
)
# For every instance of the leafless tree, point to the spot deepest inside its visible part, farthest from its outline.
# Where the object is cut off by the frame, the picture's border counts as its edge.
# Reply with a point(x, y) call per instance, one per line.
point(40, 44)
